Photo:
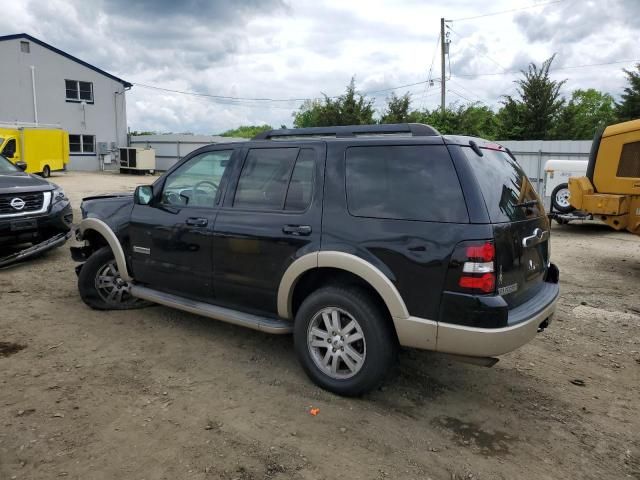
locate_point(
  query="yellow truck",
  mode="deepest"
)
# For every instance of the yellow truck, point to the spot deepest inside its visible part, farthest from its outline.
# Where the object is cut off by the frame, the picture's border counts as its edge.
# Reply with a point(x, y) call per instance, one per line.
point(43, 149)
point(611, 189)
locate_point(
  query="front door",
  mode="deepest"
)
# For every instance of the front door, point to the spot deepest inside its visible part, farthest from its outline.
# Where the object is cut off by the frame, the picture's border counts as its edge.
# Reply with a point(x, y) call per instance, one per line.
point(271, 216)
point(171, 238)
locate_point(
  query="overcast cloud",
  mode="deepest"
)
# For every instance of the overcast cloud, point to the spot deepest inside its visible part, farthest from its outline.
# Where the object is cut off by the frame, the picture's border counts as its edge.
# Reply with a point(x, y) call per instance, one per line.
point(300, 49)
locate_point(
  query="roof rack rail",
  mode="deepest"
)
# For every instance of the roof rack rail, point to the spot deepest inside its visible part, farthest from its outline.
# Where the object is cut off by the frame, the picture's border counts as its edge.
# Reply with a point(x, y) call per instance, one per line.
point(415, 129)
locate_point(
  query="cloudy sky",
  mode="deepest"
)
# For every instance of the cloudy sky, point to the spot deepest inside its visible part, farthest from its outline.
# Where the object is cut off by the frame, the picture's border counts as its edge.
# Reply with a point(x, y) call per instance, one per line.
point(296, 49)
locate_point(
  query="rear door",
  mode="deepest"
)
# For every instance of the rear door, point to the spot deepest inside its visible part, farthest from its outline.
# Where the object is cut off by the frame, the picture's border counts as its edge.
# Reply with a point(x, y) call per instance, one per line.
point(271, 216)
point(520, 225)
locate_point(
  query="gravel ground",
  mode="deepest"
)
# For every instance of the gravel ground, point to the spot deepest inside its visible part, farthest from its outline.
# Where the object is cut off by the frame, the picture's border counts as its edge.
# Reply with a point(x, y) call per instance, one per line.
point(161, 394)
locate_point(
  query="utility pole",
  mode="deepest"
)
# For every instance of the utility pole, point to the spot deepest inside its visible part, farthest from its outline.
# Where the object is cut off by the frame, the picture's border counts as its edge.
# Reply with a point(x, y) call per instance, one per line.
point(443, 46)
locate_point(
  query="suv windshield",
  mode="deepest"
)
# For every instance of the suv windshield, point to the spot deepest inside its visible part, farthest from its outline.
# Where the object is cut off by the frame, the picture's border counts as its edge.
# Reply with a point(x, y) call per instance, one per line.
point(507, 191)
point(6, 166)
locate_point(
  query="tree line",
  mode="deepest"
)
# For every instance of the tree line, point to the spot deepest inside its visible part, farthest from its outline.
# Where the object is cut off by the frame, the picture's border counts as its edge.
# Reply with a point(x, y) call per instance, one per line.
point(536, 111)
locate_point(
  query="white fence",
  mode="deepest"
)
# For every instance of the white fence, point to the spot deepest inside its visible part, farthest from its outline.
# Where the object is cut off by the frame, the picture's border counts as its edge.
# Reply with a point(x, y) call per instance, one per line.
point(171, 148)
point(533, 154)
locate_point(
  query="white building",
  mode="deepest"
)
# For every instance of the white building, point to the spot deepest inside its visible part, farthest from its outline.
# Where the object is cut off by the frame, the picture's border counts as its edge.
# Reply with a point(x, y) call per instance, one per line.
point(45, 85)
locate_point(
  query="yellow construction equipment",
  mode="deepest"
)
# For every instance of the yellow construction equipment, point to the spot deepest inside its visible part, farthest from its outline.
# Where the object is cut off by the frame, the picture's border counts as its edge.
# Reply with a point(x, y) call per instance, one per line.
point(611, 189)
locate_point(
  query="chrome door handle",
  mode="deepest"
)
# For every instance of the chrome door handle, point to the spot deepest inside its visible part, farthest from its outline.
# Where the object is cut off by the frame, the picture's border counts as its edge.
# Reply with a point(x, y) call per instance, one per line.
point(297, 229)
point(538, 236)
point(197, 222)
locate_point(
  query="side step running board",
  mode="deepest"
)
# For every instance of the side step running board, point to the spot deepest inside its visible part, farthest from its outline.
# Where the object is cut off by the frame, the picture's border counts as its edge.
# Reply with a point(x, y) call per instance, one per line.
point(264, 324)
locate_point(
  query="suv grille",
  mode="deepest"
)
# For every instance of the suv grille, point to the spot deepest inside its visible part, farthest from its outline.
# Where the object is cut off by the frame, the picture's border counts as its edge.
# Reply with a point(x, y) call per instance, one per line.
point(32, 202)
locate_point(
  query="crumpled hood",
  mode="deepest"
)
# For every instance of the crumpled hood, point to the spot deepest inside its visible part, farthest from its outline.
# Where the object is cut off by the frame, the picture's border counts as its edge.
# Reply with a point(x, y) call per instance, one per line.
point(109, 195)
point(111, 208)
point(20, 182)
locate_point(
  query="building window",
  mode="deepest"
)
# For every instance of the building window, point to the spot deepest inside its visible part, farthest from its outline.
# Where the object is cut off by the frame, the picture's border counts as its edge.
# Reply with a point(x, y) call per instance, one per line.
point(78, 91)
point(25, 47)
point(82, 144)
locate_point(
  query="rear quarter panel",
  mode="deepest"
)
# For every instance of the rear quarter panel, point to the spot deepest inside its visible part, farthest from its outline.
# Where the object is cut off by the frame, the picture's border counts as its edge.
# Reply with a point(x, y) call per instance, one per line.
point(414, 255)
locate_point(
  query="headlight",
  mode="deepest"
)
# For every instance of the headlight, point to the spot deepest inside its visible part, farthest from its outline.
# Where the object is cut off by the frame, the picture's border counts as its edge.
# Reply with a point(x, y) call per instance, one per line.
point(58, 195)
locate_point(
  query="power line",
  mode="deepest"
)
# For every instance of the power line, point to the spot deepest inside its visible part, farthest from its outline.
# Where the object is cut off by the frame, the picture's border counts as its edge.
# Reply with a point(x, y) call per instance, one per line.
point(229, 100)
point(220, 97)
point(506, 11)
point(509, 72)
point(267, 100)
point(477, 49)
point(460, 95)
point(430, 76)
point(480, 99)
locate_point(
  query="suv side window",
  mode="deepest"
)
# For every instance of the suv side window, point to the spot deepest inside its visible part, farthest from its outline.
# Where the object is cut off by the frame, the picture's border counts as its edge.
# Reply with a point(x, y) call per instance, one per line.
point(503, 184)
point(264, 178)
point(196, 183)
point(301, 184)
point(414, 182)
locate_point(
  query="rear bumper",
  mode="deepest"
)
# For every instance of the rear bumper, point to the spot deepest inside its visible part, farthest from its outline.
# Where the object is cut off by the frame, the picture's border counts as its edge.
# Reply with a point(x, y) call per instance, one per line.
point(524, 322)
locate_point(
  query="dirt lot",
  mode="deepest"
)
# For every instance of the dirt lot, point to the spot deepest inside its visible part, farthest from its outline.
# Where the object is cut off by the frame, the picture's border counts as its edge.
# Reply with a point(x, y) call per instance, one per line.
point(157, 393)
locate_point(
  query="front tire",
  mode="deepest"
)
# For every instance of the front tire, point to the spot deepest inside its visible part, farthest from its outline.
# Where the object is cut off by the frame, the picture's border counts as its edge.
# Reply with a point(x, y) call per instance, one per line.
point(46, 172)
point(101, 286)
point(343, 340)
point(560, 199)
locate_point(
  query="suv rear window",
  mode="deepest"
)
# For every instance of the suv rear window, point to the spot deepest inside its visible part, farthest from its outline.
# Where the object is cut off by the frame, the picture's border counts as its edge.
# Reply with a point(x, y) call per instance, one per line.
point(404, 182)
point(504, 185)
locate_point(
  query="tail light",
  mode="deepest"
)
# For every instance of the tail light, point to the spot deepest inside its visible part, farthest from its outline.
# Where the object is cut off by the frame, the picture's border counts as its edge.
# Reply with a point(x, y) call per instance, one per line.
point(472, 267)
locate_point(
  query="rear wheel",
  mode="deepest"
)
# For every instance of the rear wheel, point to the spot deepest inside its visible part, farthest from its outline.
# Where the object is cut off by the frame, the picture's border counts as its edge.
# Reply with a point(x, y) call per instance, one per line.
point(101, 286)
point(343, 340)
point(46, 171)
point(560, 199)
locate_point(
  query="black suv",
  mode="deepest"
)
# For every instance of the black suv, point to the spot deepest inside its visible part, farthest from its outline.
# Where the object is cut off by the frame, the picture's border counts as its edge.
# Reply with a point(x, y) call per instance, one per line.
point(32, 210)
point(357, 239)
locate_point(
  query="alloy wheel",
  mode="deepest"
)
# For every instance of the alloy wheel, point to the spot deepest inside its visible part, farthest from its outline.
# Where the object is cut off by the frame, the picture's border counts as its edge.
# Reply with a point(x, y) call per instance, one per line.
point(336, 342)
point(110, 285)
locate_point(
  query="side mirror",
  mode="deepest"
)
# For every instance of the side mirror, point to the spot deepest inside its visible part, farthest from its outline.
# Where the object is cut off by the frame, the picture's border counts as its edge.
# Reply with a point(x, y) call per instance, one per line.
point(21, 165)
point(143, 195)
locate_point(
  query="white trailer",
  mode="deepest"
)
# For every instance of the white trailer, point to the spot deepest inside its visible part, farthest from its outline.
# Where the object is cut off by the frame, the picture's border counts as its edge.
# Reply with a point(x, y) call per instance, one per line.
point(556, 181)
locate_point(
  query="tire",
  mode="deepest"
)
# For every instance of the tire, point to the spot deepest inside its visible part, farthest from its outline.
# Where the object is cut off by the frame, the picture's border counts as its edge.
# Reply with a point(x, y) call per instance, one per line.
point(560, 199)
point(46, 172)
point(101, 265)
point(377, 349)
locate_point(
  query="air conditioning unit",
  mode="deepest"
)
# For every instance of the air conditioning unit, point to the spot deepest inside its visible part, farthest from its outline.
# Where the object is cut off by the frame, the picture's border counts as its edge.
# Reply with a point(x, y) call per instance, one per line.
point(137, 160)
